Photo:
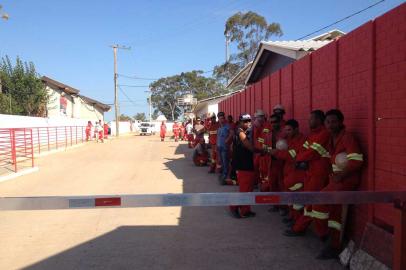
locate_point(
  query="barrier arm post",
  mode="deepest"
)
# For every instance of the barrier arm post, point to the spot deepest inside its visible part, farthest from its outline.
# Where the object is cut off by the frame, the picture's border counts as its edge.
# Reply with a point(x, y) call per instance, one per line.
point(399, 239)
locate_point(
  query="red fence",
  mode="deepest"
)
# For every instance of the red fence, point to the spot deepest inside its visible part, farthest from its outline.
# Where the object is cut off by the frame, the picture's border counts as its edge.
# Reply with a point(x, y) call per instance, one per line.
point(18, 145)
point(364, 75)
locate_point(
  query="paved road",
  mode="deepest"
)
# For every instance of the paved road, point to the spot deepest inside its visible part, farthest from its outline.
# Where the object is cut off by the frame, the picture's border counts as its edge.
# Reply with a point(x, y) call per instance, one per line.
point(145, 238)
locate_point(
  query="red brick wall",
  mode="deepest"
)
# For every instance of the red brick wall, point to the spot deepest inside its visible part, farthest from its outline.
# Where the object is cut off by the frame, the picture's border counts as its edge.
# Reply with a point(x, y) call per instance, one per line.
point(364, 75)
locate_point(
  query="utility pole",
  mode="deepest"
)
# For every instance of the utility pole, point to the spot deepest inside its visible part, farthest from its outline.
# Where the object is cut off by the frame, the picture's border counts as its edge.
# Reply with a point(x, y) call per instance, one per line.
point(227, 53)
point(227, 44)
point(116, 108)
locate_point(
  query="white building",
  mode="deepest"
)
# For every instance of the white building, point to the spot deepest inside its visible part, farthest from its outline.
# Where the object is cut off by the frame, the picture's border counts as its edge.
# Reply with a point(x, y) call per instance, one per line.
point(209, 106)
point(65, 101)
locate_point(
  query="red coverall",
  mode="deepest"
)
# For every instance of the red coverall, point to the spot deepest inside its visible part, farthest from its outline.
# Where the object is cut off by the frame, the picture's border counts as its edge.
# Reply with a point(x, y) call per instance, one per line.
point(182, 132)
point(106, 130)
point(293, 178)
point(201, 156)
point(212, 129)
point(264, 142)
point(330, 216)
point(316, 154)
point(163, 132)
point(88, 129)
point(276, 166)
point(176, 131)
point(257, 134)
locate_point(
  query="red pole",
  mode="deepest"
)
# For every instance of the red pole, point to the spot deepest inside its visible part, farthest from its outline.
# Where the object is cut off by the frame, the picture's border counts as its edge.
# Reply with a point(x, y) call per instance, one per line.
point(399, 239)
point(81, 135)
point(32, 149)
point(25, 143)
point(70, 135)
point(39, 142)
point(13, 148)
point(76, 127)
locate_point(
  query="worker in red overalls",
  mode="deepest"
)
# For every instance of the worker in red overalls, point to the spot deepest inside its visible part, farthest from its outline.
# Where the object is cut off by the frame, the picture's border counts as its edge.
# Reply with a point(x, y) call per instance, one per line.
point(99, 130)
point(315, 160)
point(264, 142)
point(163, 131)
point(182, 134)
point(276, 165)
point(176, 131)
point(346, 159)
point(88, 130)
point(200, 154)
point(258, 141)
point(293, 178)
point(106, 130)
point(212, 130)
point(189, 132)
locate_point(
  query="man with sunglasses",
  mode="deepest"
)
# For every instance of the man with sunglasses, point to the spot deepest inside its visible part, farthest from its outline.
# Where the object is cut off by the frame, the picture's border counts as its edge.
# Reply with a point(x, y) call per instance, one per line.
point(243, 150)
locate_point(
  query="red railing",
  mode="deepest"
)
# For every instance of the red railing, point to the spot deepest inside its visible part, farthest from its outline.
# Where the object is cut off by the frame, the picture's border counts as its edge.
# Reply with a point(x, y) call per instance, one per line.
point(18, 145)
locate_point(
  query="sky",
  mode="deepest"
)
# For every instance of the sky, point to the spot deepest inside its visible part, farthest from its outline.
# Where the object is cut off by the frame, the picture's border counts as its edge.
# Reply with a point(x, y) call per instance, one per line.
point(70, 41)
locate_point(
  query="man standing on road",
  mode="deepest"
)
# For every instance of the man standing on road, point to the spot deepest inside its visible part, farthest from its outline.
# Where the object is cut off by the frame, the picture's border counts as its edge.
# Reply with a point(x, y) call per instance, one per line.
point(293, 178)
point(175, 130)
point(212, 130)
point(244, 164)
point(162, 131)
point(346, 159)
point(224, 139)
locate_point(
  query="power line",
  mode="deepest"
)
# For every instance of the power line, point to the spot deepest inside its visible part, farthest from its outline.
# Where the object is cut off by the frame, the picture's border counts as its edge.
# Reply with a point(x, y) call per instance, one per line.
point(343, 19)
point(128, 85)
point(129, 99)
point(137, 78)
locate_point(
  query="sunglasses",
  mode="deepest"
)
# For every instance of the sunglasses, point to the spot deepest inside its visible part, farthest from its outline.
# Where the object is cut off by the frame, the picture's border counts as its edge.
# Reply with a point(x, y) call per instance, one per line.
point(246, 121)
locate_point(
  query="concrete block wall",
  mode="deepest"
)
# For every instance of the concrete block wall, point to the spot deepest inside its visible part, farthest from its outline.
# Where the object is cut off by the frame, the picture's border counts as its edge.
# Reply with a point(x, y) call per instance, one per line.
point(364, 75)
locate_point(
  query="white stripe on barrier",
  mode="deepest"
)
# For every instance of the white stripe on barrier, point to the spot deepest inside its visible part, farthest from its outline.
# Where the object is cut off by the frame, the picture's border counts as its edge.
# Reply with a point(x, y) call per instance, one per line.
point(199, 199)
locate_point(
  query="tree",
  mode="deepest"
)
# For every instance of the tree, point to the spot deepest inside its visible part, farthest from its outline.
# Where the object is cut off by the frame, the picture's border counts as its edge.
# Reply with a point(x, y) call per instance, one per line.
point(22, 90)
point(125, 118)
point(225, 72)
point(140, 117)
point(166, 91)
point(3, 15)
point(247, 30)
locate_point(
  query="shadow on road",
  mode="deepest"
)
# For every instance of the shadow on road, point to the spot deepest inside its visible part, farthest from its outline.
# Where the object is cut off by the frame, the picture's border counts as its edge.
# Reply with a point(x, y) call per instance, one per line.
point(206, 238)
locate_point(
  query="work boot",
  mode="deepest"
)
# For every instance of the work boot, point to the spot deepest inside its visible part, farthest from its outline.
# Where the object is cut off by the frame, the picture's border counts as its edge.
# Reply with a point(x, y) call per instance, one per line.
point(231, 182)
point(222, 180)
point(292, 233)
point(290, 224)
point(328, 253)
point(235, 214)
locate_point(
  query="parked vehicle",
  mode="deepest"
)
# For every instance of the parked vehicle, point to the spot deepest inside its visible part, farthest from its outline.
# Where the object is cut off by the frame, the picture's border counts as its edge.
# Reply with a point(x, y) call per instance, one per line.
point(146, 129)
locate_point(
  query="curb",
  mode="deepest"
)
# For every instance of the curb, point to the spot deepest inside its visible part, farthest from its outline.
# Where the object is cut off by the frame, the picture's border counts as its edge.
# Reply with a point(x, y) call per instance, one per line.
point(18, 174)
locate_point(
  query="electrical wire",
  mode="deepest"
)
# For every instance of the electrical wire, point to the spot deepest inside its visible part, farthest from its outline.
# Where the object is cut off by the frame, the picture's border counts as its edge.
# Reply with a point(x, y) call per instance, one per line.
point(341, 20)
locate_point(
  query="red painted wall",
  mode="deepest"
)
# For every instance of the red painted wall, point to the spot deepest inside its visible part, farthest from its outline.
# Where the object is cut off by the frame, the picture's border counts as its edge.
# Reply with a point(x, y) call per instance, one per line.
point(364, 75)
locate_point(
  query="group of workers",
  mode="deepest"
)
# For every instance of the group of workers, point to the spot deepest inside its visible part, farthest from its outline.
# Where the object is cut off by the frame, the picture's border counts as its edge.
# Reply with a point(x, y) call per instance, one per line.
point(271, 154)
point(98, 132)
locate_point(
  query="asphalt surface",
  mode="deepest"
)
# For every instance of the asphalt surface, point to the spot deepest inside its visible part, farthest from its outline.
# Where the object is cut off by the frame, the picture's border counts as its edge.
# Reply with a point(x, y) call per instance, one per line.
point(142, 238)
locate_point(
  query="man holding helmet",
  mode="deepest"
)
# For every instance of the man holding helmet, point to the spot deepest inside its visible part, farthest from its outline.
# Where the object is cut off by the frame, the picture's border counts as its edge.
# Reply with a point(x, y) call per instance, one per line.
point(346, 159)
